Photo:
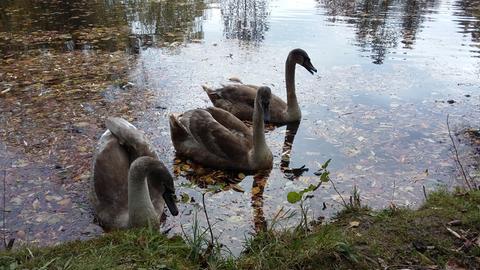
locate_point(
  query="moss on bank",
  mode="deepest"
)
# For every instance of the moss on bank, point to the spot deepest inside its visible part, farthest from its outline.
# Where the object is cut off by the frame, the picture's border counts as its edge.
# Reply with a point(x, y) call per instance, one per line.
point(357, 239)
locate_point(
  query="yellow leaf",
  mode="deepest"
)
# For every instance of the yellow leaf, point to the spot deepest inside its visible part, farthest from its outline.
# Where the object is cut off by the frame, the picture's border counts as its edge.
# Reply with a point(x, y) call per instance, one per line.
point(354, 224)
point(237, 188)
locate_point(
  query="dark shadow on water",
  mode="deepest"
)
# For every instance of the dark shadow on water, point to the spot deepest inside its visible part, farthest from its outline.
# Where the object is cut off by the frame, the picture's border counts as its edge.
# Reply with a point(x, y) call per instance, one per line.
point(290, 173)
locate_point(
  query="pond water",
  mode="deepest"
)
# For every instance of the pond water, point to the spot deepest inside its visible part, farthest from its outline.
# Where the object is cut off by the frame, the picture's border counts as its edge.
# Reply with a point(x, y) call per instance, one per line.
point(389, 73)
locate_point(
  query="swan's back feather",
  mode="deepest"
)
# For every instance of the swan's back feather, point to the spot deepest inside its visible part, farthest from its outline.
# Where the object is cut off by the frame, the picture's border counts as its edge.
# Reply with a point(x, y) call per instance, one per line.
point(213, 137)
point(239, 99)
point(129, 136)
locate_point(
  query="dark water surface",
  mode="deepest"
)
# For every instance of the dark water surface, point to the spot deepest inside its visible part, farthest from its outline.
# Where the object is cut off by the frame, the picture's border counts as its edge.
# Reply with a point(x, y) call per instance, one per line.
point(389, 72)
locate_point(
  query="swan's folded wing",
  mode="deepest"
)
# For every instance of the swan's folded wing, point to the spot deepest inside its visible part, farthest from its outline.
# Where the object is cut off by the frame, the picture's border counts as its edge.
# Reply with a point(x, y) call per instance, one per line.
point(110, 172)
point(129, 136)
point(238, 93)
point(230, 122)
point(215, 137)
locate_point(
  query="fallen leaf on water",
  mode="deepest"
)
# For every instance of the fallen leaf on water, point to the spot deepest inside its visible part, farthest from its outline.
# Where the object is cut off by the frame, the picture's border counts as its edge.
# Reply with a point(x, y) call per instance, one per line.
point(50, 198)
point(236, 187)
point(65, 201)
point(36, 204)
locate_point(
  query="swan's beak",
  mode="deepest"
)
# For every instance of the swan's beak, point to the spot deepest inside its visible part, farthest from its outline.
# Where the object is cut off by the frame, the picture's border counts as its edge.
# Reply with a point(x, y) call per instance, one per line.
point(309, 67)
point(266, 113)
point(169, 199)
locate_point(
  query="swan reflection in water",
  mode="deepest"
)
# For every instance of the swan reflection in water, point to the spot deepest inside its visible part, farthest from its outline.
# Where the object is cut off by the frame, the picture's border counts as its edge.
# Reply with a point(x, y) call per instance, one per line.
point(260, 181)
point(290, 173)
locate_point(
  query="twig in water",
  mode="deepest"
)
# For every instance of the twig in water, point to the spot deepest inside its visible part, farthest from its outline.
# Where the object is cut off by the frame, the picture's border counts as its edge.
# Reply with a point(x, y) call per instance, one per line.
point(208, 220)
point(393, 194)
point(424, 193)
point(457, 158)
point(341, 197)
point(4, 209)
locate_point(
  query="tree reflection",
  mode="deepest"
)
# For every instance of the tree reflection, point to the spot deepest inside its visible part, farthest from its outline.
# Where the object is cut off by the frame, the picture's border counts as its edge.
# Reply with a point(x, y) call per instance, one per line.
point(109, 24)
point(245, 20)
point(258, 186)
point(377, 24)
point(469, 8)
point(171, 20)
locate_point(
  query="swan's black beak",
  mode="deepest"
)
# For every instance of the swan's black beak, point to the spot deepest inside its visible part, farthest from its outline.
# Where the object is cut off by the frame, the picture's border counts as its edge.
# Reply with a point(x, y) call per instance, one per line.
point(309, 67)
point(170, 202)
point(266, 112)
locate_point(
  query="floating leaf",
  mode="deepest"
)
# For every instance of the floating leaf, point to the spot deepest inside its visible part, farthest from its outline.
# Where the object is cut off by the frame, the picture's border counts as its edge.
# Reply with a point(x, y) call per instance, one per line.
point(238, 188)
point(255, 190)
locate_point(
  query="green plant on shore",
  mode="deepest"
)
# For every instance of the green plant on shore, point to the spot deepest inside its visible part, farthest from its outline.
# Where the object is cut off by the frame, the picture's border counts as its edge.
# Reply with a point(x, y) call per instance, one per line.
point(205, 248)
point(301, 196)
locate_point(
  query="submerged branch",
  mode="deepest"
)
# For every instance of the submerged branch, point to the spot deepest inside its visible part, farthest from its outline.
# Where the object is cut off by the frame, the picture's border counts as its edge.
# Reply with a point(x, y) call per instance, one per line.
point(457, 158)
point(208, 220)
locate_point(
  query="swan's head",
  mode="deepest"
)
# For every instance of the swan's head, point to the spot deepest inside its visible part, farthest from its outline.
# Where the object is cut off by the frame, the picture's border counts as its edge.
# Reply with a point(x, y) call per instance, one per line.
point(164, 181)
point(263, 99)
point(301, 57)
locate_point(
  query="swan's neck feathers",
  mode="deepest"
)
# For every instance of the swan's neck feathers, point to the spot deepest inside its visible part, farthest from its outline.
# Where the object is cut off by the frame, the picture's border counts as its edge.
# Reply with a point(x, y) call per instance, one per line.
point(140, 208)
point(260, 154)
point(293, 110)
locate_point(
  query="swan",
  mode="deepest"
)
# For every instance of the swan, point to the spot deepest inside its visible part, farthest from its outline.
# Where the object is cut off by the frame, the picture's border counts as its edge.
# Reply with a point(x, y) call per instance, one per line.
point(130, 185)
point(216, 138)
point(238, 98)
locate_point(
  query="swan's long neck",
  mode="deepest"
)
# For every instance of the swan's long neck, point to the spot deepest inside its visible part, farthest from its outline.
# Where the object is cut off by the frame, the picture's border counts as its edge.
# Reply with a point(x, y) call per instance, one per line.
point(140, 208)
point(293, 110)
point(261, 152)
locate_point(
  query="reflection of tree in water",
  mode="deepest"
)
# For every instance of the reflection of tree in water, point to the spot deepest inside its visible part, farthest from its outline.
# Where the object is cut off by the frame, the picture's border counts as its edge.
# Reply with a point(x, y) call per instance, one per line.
point(107, 22)
point(380, 24)
point(245, 20)
point(258, 187)
point(171, 20)
point(469, 8)
point(31, 15)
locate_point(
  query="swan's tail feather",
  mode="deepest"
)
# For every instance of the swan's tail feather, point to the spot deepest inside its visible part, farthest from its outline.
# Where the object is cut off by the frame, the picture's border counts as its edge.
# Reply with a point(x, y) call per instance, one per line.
point(208, 89)
point(128, 135)
point(235, 79)
point(178, 131)
point(213, 94)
